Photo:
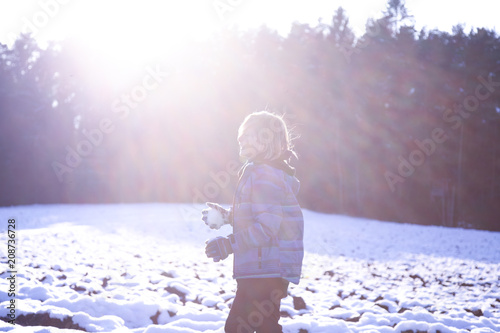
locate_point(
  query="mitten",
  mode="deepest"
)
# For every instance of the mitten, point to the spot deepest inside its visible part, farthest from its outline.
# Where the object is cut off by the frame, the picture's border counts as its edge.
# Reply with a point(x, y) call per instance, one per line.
point(218, 248)
point(216, 216)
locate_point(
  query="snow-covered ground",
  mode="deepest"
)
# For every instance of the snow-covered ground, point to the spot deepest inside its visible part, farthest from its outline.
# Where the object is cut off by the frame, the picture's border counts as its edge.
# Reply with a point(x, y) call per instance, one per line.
point(142, 268)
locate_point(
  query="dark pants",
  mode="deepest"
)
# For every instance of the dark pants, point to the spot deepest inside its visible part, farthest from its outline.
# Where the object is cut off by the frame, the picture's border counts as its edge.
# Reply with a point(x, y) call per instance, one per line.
point(256, 306)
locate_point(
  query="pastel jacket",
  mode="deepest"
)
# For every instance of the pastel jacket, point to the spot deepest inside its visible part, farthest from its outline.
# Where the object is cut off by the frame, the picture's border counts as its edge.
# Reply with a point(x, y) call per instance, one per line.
point(268, 225)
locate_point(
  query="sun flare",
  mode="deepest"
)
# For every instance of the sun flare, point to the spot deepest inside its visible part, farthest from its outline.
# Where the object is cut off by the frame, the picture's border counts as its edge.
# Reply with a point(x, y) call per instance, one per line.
point(131, 33)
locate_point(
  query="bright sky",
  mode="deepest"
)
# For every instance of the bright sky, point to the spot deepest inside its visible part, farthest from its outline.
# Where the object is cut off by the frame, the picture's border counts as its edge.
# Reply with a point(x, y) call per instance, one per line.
point(122, 25)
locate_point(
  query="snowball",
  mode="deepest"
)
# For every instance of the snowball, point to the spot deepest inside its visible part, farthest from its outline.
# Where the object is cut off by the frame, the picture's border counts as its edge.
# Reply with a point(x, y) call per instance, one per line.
point(215, 220)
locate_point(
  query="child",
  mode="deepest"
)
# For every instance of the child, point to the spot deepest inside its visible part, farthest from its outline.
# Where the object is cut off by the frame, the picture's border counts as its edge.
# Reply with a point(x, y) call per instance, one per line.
point(268, 226)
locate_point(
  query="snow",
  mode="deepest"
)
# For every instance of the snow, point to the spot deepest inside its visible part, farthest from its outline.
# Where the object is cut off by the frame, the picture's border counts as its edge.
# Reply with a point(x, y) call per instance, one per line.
point(142, 268)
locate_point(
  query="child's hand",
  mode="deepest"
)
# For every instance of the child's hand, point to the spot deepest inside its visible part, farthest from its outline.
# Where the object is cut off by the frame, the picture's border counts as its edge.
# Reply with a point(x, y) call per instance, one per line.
point(216, 216)
point(218, 248)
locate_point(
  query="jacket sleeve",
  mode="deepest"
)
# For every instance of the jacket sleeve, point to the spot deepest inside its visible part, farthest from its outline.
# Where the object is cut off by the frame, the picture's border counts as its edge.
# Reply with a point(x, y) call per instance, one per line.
point(266, 204)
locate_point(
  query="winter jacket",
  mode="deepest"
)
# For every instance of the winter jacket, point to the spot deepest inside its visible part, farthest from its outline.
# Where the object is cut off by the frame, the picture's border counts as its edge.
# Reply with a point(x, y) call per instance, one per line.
point(268, 225)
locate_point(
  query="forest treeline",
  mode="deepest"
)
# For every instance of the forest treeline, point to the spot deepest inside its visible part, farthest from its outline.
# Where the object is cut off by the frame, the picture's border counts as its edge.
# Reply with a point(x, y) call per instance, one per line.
point(397, 124)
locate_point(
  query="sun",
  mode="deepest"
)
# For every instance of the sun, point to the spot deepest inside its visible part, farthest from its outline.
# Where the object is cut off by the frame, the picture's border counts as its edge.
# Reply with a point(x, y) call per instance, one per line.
point(131, 33)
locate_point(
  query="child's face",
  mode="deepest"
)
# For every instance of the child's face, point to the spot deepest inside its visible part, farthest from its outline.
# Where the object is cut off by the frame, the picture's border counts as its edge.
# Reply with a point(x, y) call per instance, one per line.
point(249, 144)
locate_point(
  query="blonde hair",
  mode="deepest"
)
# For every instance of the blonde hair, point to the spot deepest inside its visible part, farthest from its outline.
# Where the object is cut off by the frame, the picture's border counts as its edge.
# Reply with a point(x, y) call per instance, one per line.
point(272, 132)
